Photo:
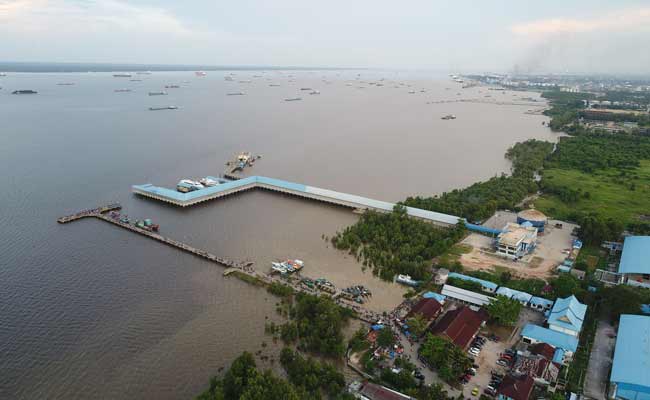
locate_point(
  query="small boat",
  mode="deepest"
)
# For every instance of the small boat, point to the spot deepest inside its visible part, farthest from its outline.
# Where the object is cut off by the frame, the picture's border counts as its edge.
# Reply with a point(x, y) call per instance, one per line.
point(411, 91)
point(314, 92)
point(121, 90)
point(293, 99)
point(208, 182)
point(163, 108)
point(287, 266)
point(448, 116)
point(122, 75)
point(143, 73)
point(23, 91)
point(274, 85)
point(200, 73)
point(135, 80)
point(157, 93)
point(65, 84)
point(236, 94)
point(406, 280)
point(172, 86)
point(306, 88)
point(188, 185)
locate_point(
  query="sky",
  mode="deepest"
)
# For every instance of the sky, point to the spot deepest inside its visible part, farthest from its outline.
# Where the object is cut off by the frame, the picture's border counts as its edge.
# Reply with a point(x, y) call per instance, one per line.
point(529, 36)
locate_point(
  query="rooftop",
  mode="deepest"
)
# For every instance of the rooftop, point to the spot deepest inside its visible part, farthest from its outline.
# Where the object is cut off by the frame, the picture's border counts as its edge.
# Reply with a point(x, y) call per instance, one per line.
point(554, 338)
point(544, 350)
point(486, 284)
point(465, 295)
point(541, 302)
point(459, 325)
point(631, 365)
point(568, 313)
point(514, 294)
point(635, 258)
point(427, 307)
point(377, 392)
point(516, 388)
point(434, 295)
point(513, 234)
point(532, 215)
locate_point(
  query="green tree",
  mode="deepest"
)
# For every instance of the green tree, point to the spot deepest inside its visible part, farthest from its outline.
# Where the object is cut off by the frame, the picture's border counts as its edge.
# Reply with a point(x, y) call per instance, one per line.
point(449, 359)
point(504, 310)
point(623, 299)
point(417, 324)
point(566, 285)
point(241, 372)
point(385, 338)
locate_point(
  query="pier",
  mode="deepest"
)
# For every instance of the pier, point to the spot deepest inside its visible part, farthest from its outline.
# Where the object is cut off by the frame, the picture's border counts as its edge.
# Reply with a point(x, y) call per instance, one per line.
point(101, 214)
point(351, 201)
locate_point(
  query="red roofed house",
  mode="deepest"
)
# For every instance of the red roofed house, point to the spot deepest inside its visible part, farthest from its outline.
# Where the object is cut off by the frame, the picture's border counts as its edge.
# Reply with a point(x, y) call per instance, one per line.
point(429, 308)
point(543, 349)
point(515, 388)
point(377, 392)
point(460, 326)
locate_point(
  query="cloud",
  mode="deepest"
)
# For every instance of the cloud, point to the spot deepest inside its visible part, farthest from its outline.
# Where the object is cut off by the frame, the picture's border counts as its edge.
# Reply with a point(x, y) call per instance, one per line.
point(625, 20)
point(84, 17)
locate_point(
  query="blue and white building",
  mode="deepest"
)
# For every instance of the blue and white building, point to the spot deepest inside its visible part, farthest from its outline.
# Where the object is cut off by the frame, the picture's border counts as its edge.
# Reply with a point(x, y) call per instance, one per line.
point(634, 268)
point(567, 316)
point(630, 378)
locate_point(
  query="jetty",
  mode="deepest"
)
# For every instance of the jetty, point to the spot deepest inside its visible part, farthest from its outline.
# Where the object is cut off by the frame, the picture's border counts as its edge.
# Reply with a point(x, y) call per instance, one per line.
point(351, 201)
point(102, 213)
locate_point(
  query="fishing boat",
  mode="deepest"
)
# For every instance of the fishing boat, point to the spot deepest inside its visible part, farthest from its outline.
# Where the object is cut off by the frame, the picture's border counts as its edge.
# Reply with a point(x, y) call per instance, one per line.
point(287, 266)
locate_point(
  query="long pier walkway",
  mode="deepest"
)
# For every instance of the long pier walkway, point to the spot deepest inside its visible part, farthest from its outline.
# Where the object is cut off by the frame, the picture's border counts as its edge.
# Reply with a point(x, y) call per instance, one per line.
point(101, 214)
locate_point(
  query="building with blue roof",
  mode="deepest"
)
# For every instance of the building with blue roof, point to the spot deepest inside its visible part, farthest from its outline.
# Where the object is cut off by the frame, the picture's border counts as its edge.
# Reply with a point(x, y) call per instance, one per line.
point(520, 296)
point(558, 356)
point(487, 285)
point(540, 303)
point(567, 316)
point(635, 261)
point(433, 295)
point(536, 334)
point(630, 378)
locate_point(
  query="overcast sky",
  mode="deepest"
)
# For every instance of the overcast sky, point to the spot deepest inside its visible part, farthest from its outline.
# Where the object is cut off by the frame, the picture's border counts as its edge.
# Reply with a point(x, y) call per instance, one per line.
point(462, 35)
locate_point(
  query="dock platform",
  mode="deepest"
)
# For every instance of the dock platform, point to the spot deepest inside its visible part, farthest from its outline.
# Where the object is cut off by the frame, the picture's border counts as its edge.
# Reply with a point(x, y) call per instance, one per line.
point(101, 214)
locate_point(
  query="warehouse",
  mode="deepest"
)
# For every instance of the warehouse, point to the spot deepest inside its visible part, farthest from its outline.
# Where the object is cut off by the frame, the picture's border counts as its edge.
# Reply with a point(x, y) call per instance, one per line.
point(634, 267)
point(630, 378)
point(465, 296)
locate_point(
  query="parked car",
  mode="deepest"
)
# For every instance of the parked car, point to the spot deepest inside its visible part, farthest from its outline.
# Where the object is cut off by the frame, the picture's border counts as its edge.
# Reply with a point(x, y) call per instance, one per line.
point(502, 362)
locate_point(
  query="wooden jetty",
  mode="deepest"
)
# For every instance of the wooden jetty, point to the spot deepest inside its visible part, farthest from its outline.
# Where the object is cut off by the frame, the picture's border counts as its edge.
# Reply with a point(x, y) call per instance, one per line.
point(101, 213)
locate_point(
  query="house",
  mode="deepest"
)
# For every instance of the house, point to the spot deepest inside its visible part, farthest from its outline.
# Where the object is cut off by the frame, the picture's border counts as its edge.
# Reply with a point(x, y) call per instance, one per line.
point(567, 316)
point(460, 325)
point(466, 296)
point(487, 286)
point(371, 391)
point(515, 388)
point(441, 276)
point(533, 334)
point(630, 377)
point(516, 240)
point(634, 268)
point(540, 304)
point(538, 363)
point(429, 308)
point(520, 296)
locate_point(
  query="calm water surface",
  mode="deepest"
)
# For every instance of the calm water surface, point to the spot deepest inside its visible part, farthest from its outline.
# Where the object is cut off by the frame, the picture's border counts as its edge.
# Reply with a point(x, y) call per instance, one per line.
point(87, 310)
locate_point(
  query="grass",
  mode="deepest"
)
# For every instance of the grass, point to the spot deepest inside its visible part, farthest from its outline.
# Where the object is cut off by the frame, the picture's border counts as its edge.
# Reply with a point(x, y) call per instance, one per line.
point(593, 256)
point(248, 279)
point(613, 193)
point(453, 254)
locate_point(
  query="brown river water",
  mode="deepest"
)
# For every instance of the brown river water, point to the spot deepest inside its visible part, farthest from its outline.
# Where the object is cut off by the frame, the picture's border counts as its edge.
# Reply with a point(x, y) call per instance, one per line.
point(91, 311)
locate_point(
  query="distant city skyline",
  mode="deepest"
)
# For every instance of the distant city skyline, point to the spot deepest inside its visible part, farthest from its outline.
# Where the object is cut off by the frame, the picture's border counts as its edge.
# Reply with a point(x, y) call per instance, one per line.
point(505, 36)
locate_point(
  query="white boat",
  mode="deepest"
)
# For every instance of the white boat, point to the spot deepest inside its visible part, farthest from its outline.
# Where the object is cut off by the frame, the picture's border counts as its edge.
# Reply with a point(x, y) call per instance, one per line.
point(314, 92)
point(406, 280)
point(188, 185)
point(208, 182)
point(287, 266)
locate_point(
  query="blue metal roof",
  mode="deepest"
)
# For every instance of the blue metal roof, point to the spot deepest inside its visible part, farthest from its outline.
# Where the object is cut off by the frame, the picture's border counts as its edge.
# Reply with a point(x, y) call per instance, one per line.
point(635, 258)
point(558, 357)
point(564, 268)
point(484, 283)
point(433, 295)
point(568, 313)
point(631, 365)
point(554, 338)
point(482, 229)
point(514, 294)
point(540, 301)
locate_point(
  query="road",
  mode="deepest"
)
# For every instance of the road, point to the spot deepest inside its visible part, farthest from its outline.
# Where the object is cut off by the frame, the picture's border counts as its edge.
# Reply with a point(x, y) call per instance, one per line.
point(600, 362)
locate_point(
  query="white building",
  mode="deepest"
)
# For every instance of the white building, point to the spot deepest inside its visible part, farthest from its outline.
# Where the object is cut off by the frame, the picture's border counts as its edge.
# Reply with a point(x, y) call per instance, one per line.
point(516, 240)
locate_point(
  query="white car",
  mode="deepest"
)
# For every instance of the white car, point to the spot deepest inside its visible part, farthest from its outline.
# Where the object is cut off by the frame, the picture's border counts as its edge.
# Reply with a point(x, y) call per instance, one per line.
point(473, 352)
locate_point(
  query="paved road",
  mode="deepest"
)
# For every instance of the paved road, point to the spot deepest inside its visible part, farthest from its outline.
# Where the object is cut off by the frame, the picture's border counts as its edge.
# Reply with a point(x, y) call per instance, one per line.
point(600, 362)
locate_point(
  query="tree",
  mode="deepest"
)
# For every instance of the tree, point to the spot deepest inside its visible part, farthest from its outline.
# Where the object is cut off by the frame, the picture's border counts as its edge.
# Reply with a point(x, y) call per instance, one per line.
point(449, 359)
point(417, 324)
point(268, 387)
point(385, 338)
point(241, 372)
point(504, 310)
point(566, 285)
point(623, 299)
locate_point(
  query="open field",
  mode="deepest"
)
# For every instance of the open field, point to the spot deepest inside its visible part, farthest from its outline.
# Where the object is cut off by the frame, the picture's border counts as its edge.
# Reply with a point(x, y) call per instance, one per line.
point(611, 194)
